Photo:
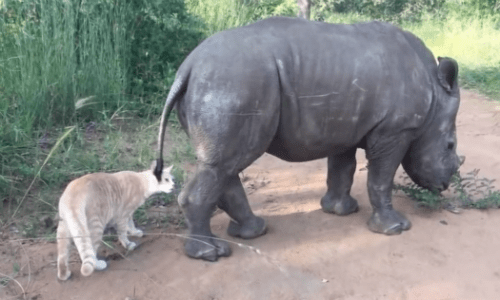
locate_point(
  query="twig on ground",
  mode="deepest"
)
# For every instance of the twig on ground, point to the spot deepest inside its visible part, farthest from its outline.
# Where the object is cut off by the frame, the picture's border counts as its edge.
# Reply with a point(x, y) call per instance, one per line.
point(29, 266)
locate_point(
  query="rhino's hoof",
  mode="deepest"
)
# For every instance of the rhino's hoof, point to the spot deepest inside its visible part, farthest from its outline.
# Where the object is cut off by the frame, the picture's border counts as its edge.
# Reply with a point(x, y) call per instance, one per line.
point(344, 206)
point(207, 248)
point(389, 222)
point(249, 230)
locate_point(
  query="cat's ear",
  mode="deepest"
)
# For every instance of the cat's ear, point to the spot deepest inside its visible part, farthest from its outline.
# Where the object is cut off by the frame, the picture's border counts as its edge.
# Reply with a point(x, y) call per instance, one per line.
point(169, 169)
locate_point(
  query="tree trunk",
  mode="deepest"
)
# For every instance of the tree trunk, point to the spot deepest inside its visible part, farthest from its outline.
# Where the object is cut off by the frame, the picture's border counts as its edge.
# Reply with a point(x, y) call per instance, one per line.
point(304, 9)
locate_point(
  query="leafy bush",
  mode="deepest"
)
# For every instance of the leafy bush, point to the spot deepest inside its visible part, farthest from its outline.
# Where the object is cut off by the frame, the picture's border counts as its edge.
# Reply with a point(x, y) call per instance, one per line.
point(224, 14)
point(476, 9)
point(388, 10)
point(161, 35)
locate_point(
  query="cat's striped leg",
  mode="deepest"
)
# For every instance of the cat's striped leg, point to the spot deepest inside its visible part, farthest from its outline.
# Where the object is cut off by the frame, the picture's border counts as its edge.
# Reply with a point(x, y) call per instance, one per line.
point(122, 228)
point(132, 230)
point(97, 231)
point(83, 242)
point(63, 246)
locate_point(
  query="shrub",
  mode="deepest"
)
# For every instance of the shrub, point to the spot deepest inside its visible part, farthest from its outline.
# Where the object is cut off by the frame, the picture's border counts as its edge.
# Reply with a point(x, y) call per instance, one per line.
point(161, 35)
point(388, 10)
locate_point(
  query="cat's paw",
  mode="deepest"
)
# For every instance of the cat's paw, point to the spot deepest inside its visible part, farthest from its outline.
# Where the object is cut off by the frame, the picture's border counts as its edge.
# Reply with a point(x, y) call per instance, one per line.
point(100, 265)
point(64, 275)
point(137, 233)
point(131, 246)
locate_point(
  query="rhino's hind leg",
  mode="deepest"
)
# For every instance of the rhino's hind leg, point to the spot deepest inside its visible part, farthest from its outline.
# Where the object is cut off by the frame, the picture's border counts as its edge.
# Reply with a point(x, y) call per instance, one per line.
point(341, 170)
point(206, 247)
point(197, 200)
point(234, 202)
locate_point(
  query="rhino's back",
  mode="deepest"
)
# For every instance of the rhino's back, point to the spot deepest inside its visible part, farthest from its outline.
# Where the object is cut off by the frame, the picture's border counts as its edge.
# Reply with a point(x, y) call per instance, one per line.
point(336, 82)
point(319, 58)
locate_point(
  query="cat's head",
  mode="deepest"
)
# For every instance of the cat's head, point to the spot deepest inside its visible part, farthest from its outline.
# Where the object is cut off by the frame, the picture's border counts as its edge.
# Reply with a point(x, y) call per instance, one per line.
point(166, 183)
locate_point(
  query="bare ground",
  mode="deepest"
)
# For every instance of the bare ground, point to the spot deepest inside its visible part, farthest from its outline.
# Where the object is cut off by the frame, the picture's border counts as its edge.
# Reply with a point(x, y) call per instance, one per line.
point(306, 254)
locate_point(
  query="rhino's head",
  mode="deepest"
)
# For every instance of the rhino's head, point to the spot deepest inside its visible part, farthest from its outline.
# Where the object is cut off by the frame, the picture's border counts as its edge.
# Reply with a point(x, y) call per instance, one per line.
point(432, 159)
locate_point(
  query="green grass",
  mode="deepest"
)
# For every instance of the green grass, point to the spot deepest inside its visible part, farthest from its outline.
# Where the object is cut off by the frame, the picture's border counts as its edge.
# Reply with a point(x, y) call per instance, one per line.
point(219, 15)
point(474, 43)
point(45, 68)
point(225, 14)
point(100, 67)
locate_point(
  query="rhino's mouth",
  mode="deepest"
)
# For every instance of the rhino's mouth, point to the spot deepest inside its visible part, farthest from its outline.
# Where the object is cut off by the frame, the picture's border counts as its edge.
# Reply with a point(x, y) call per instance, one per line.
point(442, 187)
point(437, 188)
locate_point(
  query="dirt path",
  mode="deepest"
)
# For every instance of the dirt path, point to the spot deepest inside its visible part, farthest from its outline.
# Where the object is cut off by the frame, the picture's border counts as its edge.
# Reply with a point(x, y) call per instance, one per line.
point(307, 254)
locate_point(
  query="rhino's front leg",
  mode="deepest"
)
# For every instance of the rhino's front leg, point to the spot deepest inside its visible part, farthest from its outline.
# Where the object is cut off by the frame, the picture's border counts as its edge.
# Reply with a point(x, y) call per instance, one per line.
point(341, 170)
point(234, 202)
point(383, 163)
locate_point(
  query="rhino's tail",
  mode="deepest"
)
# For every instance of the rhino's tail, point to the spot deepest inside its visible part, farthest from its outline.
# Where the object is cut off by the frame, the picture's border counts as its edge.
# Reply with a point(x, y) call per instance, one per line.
point(176, 92)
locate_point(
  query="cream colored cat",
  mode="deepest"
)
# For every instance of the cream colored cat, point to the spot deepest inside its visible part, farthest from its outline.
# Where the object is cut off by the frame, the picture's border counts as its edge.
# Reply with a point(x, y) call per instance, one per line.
point(93, 201)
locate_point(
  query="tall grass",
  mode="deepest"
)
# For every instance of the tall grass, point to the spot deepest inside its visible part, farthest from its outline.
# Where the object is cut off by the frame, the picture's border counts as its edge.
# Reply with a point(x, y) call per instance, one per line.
point(83, 64)
point(224, 14)
point(53, 54)
point(473, 42)
point(63, 51)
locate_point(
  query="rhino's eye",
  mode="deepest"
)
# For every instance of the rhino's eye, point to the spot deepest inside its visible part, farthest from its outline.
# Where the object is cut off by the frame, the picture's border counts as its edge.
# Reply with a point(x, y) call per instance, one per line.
point(451, 145)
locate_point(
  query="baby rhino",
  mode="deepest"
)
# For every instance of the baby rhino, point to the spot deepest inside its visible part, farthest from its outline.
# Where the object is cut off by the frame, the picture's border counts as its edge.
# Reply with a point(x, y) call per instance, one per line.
point(93, 201)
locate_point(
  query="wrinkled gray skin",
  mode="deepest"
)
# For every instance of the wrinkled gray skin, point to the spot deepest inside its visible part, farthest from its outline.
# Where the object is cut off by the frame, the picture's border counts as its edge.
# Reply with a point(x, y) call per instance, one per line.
point(303, 90)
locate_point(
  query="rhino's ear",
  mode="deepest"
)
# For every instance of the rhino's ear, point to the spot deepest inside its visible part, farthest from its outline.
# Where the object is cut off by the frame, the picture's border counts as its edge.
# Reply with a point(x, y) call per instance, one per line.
point(447, 73)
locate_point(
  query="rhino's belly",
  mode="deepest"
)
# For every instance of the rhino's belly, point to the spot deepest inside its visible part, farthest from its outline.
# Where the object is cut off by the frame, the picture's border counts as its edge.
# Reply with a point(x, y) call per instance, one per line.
point(298, 152)
point(315, 133)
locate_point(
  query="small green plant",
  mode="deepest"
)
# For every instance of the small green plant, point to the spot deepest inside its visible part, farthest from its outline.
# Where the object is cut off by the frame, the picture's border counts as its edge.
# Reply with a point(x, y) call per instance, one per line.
point(468, 191)
point(6, 279)
point(425, 197)
point(475, 192)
